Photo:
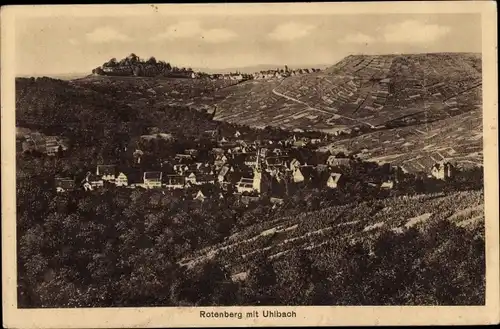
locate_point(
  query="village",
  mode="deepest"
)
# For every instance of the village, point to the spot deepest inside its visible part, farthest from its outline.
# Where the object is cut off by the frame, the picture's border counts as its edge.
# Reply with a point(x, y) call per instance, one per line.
point(246, 169)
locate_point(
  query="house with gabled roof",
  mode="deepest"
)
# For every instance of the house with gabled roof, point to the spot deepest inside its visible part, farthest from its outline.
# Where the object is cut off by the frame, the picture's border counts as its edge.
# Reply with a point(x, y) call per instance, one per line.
point(387, 184)
point(294, 163)
point(180, 168)
point(183, 158)
point(442, 170)
point(222, 176)
point(336, 161)
point(297, 175)
point(152, 179)
point(191, 178)
point(202, 178)
point(175, 181)
point(191, 152)
point(121, 179)
point(65, 184)
point(92, 182)
point(333, 180)
point(304, 174)
point(250, 160)
point(106, 172)
point(220, 160)
point(245, 185)
point(200, 196)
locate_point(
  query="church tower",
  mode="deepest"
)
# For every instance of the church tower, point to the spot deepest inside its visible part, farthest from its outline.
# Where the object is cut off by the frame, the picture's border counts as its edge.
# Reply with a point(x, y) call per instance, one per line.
point(257, 174)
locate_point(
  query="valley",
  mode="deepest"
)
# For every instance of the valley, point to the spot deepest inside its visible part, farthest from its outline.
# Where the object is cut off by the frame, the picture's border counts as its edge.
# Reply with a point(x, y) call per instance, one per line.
point(315, 187)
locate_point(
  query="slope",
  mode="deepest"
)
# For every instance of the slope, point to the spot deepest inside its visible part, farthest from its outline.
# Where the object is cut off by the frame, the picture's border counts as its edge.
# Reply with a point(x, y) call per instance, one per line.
point(318, 230)
point(59, 108)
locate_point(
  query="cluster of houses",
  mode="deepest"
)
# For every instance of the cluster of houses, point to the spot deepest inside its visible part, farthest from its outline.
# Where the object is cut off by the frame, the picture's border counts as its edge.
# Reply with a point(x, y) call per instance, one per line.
point(236, 166)
point(256, 173)
point(236, 76)
point(265, 74)
point(442, 170)
point(49, 145)
point(281, 73)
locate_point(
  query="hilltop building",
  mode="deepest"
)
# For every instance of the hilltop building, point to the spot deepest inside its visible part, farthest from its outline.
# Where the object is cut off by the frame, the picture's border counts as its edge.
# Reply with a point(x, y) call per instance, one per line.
point(333, 180)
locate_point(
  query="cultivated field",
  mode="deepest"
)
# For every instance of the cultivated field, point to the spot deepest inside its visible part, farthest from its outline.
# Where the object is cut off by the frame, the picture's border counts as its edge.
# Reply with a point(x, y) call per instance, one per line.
point(361, 90)
point(416, 148)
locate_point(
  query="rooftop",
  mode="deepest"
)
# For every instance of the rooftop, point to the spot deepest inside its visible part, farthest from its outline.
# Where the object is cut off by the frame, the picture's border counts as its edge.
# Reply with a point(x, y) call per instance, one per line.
point(154, 175)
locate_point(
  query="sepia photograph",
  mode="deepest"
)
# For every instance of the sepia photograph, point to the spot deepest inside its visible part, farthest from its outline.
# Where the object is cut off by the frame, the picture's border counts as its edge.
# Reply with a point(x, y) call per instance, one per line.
point(243, 164)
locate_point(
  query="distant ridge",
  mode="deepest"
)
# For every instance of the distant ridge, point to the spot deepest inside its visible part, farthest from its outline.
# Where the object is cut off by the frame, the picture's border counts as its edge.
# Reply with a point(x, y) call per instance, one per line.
point(60, 76)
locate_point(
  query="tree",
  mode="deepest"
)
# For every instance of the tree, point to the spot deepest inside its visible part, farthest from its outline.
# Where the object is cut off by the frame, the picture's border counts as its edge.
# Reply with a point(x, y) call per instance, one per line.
point(260, 283)
point(133, 58)
point(295, 279)
point(208, 284)
point(151, 61)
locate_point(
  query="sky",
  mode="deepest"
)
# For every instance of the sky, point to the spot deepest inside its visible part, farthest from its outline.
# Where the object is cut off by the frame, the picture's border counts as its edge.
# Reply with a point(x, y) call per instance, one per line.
point(65, 44)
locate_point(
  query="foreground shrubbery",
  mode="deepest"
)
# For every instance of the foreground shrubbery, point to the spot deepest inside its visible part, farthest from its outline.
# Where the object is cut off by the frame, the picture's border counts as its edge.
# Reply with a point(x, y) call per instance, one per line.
point(442, 266)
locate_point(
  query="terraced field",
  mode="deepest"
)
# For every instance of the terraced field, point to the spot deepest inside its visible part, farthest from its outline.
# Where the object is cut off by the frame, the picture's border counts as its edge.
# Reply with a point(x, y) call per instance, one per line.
point(348, 223)
point(361, 90)
point(140, 91)
point(416, 148)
